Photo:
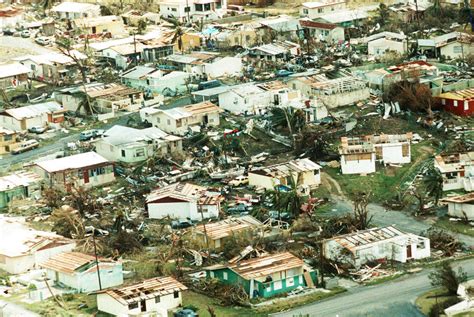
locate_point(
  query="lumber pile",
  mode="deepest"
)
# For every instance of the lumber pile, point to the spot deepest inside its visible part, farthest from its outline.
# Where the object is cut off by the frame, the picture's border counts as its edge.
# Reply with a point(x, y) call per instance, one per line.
point(368, 273)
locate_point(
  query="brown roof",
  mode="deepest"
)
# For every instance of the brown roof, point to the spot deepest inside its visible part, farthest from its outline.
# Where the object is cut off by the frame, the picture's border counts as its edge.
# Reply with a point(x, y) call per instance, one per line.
point(147, 289)
point(69, 262)
point(225, 228)
point(202, 107)
point(461, 199)
point(266, 265)
point(317, 25)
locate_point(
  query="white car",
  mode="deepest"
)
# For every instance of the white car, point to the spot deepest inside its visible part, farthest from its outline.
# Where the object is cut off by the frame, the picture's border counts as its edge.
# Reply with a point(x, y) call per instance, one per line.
point(239, 181)
point(26, 146)
point(42, 40)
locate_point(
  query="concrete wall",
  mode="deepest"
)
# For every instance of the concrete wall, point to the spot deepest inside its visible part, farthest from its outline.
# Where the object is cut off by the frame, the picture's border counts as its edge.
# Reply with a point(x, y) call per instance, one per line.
point(392, 153)
point(358, 166)
point(378, 47)
point(457, 209)
point(345, 98)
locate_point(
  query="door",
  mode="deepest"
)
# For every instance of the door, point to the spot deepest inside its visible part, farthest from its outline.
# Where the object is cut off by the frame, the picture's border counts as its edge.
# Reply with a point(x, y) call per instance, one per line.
point(143, 305)
point(409, 251)
point(85, 173)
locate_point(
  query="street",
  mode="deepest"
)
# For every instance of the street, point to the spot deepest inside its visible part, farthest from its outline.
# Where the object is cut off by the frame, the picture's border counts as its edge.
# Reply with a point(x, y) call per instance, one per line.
point(395, 298)
point(11, 310)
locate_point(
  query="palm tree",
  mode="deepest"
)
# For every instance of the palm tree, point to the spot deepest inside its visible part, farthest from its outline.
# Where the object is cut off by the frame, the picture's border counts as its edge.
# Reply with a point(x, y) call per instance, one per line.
point(178, 31)
point(383, 14)
point(433, 182)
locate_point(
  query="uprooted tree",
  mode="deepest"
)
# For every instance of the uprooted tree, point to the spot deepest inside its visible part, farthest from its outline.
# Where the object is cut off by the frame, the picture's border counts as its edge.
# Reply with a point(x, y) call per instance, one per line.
point(412, 95)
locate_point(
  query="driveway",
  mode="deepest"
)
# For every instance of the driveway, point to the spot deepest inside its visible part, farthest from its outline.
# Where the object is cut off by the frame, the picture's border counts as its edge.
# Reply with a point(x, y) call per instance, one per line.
point(396, 298)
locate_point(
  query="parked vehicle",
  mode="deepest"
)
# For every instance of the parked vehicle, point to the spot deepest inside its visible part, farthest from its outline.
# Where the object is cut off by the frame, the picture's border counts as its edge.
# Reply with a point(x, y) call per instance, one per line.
point(185, 313)
point(283, 215)
point(9, 32)
point(26, 146)
point(239, 181)
point(209, 84)
point(239, 209)
point(42, 40)
point(181, 224)
point(25, 33)
point(37, 129)
point(90, 134)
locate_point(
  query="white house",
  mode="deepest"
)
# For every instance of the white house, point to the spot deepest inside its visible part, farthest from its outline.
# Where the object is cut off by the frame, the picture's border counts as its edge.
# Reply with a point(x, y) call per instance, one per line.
point(193, 10)
point(378, 44)
point(466, 305)
point(183, 201)
point(152, 297)
point(129, 145)
point(75, 10)
point(303, 173)
point(82, 170)
point(343, 90)
point(359, 154)
point(23, 248)
point(451, 45)
point(13, 76)
point(461, 206)
point(457, 170)
point(278, 50)
point(111, 24)
point(316, 9)
point(155, 80)
point(41, 114)
point(253, 98)
point(79, 271)
point(374, 244)
point(181, 121)
point(323, 31)
point(10, 17)
point(227, 66)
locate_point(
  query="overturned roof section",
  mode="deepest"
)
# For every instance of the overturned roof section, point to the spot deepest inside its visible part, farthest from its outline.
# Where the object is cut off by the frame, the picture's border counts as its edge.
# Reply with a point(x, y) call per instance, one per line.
point(461, 199)
point(148, 289)
point(225, 228)
point(73, 162)
point(181, 191)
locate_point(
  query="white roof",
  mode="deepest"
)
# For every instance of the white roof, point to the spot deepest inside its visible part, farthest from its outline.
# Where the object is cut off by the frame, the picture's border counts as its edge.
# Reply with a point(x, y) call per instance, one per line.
point(389, 35)
point(18, 179)
point(138, 72)
point(118, 135)
point(50, 58)
point(17, 239)
point(35, 110)
point(344, 16)
point(317, 4)
point(14, 69)
point(72, 162)
point(76, 7)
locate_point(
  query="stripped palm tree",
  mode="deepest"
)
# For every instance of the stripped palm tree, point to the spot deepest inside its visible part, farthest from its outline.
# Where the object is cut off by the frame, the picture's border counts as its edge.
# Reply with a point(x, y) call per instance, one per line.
point(178, 31)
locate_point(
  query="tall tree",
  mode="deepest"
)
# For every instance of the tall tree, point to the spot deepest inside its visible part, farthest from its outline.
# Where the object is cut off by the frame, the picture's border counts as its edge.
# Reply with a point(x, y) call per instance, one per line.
point(383, 14)
point(433, 182)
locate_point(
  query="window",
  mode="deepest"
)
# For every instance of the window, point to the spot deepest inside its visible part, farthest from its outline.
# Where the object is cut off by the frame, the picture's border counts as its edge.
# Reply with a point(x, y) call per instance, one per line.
point(173, 9)
point(198, 7)
point(187, 9)
point(123, 153)
point(158, 120)
point(420, 245)
point(225, 276)
point(140, 153)
point(176, 294)
point(277, 285)
point(8, 137)
point(305, 11)
point(290, 281)
point(320, 10)
point(211, 274)
point(443, 101)
point(457, 49)
point(132, 306)
point(466, 105)
point(455, 103)
point(169, 122)
point(207, 7)
point(157, 299)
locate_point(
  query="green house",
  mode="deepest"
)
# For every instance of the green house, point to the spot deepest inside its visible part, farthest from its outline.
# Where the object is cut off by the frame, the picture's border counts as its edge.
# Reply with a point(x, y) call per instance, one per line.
point(18, 185)
point(266, 276)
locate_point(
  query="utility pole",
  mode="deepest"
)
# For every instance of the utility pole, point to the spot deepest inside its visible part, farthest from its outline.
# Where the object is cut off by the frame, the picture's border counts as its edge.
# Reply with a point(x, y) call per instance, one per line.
point(321, 260)
point(96, 259)
point(205, 231)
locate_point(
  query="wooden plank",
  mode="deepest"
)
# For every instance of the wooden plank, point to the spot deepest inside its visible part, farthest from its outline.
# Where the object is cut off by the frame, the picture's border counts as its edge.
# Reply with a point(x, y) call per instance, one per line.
point(308, 279)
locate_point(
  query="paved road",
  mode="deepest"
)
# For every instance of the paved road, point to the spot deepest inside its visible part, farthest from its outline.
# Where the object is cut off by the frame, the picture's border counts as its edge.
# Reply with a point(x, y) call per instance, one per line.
point(384, 217)
point(11, 47)
point(12, 310)
point(392, 299)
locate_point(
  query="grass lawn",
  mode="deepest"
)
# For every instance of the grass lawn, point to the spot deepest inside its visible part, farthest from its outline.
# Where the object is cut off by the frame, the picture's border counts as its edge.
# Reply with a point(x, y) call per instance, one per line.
point(201, 301)
point(385, 182)
point(426, 301)
point(455, 226)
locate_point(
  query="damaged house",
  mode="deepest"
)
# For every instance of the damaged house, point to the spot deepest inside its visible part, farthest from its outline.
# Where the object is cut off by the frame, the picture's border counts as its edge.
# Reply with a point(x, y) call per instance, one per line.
point(451, 45)
point(460, 102)
point(81, 170)
point(461, 206)
point(183, 201)
point(303, 173)
point(76, 10)
point(457, 170)
point(217, 233)
point(44, 114)
point(278, 50)
point(23, 249)
point(380, 43)
point(327, 32)
point(8, 140)
point(265, 276)
point(78, 271)
point(359, 154)
point(14, 76)
point(152, 297)
point(19, 185)
point(333, 90)
point(316, 9)
point(183, 120)
point(152, 80)
point(129, 145)
point(374, 244)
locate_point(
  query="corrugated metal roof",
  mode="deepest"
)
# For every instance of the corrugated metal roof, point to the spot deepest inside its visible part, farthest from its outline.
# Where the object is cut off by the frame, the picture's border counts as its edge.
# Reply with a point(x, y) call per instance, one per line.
point(72, 162)
point(224, 228)
point(266, 265)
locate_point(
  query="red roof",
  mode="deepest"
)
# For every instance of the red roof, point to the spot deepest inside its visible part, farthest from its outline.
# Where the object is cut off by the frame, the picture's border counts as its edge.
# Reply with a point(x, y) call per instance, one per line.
point(317, 25)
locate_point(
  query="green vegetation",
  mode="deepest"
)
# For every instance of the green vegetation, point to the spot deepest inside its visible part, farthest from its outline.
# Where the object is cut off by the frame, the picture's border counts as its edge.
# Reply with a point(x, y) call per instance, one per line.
point(455, 226)
point(439, 296)
point(385, 182)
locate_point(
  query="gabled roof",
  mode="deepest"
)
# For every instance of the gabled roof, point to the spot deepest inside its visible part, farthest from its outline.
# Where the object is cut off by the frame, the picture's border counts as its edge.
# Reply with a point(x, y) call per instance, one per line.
point(15, 69)
point(202, 108)
point(226, 227)
point(72, 162)
point(69, 262)
point(35, 110)
point(139, 72)
point(118, 135)
point(264, 266)
point(148, 289)
point(181, 191)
